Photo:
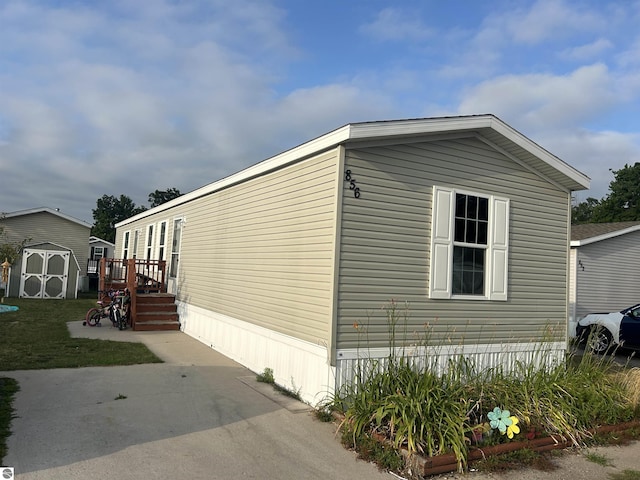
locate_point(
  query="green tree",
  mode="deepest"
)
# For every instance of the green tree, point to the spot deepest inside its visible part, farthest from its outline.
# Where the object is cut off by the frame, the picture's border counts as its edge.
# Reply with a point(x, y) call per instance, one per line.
point(583, 211)
point(623, 202)
point(10, 250)
point(109, 211)
point(163, 196)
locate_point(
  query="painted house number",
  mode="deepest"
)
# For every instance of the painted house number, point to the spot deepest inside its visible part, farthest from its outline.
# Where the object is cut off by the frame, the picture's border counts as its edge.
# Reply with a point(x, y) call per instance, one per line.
point(352, 183)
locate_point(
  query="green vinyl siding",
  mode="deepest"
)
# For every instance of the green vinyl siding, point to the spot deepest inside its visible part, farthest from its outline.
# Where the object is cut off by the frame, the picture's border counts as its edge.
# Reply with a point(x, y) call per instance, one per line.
point(261, 251)
point(385, 238)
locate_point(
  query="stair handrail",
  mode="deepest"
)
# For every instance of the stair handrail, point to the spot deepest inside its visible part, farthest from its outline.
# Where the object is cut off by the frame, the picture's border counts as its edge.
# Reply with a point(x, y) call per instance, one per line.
point(124, 273)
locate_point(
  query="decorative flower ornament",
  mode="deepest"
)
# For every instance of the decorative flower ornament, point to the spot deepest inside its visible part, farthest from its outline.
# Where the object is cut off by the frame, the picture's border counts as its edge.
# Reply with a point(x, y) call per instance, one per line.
point(500, 419)
point(513, 429)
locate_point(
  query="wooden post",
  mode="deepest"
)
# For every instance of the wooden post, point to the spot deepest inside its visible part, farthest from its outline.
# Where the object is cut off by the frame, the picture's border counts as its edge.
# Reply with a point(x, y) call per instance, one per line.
point(131, 285)
point(163, 268)
point(102, 271)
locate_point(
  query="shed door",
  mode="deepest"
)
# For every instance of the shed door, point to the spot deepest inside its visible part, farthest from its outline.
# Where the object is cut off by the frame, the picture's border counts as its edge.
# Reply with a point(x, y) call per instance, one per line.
point(44, 274)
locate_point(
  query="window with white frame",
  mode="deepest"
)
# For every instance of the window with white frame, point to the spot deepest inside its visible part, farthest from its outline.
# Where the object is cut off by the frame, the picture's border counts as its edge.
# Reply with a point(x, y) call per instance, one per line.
point(97, 253)
point(136, 237)
point(469, 245)
point(175, 247)
point(162, 240)
point(125, 245)
point(149, 250)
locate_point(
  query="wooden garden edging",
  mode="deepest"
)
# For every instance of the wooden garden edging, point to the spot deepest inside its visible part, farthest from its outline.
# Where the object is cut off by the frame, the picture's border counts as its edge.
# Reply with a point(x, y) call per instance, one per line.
point(446, 463)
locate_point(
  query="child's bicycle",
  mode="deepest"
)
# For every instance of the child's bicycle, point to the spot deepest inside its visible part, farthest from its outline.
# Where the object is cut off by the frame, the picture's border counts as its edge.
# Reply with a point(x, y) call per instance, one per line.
point(117, 310)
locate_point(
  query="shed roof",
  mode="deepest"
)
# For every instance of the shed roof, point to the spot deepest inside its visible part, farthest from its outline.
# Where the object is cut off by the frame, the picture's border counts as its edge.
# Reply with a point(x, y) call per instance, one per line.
point(487, 128)
point(587, 233)
point(58, 213)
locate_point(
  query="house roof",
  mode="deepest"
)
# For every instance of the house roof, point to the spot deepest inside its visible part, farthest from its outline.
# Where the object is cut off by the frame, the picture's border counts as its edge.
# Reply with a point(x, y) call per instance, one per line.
point(94, 239)
point(587, 233)
point(44, 210)
point(487, 128)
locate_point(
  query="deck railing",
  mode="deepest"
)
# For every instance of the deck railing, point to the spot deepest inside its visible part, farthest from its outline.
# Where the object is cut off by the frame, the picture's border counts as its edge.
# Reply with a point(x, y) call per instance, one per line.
point(139, 276)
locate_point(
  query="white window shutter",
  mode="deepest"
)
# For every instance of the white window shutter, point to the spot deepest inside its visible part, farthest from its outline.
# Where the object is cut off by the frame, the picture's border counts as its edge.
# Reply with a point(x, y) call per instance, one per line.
point(441, 243)
point(499, 249)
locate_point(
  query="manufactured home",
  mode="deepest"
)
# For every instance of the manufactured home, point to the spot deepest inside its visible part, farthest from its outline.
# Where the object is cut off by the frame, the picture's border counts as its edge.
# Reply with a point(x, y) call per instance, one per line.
point(604, 261)
point(293, 264)
point(53, 262)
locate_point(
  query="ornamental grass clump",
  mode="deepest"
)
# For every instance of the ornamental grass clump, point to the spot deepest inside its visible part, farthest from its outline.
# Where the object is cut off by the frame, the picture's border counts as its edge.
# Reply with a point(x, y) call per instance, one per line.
point(416, 410)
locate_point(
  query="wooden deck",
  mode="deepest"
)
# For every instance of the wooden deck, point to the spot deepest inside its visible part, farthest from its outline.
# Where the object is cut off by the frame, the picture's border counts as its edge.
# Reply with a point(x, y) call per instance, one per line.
point(152, 308)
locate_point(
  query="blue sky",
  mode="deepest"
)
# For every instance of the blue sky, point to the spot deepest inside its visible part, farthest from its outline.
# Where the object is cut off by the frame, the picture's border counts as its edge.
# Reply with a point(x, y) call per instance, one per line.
point(125, 97)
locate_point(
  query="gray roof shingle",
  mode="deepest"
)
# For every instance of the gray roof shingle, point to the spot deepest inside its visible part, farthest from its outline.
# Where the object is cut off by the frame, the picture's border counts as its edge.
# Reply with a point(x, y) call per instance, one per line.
point(590, 230)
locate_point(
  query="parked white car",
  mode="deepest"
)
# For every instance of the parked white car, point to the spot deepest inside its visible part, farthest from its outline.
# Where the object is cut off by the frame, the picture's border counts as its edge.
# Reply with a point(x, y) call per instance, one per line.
point(604, 331)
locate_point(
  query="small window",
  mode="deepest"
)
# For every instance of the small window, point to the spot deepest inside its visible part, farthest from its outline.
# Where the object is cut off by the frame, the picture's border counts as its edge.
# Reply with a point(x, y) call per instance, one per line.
point(136, 236)
point(125, 245)
point(97, 253)
point(175, 247)
point(469, 245)
point(162, 240)
point(149, 243)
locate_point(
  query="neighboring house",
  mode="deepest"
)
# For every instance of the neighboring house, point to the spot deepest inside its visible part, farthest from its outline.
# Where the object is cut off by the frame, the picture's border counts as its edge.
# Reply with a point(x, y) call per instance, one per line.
point(286, 264)
point(604, 265)
point(98, 248)
point(54, 260)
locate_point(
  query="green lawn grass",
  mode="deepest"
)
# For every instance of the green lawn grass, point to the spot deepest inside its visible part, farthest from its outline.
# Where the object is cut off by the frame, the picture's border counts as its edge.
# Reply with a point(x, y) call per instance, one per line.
point(36, 337)
point(8, 388)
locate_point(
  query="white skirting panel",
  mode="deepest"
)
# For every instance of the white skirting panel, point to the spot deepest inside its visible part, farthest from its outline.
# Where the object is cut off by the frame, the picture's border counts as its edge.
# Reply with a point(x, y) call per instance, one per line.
point(297, 365)
point(483, 357)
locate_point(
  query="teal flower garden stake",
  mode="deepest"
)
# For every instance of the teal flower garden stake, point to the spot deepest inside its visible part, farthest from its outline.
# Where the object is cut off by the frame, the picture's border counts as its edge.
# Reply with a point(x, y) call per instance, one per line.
point(500, 419)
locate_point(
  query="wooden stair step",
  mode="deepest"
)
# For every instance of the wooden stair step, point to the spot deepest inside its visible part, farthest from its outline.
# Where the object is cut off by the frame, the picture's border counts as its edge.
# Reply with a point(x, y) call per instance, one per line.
point(153, 307)
point(156, 316)
point(157, 325)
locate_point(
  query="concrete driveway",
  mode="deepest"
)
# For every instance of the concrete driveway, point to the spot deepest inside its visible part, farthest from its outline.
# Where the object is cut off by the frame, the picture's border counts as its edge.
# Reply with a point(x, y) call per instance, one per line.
point(197, 416)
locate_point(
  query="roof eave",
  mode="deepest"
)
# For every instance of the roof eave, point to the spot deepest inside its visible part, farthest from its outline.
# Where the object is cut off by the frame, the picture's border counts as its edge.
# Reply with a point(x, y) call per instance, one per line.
point(30, 211)
point(604, 236)
point(572, 178)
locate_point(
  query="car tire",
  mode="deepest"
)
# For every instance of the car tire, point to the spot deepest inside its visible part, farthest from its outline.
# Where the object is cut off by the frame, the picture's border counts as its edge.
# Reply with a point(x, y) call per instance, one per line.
point(600, 340)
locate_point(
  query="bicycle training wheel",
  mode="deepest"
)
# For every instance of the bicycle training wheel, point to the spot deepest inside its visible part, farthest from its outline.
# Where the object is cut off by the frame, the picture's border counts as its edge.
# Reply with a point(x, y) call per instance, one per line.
point(93, 317)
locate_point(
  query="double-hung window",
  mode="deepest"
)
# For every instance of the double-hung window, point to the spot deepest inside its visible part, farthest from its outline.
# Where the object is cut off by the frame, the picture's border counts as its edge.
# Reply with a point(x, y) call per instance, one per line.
point(162, 239)
point(125, 245)
point(149, 251)
point(469, 245)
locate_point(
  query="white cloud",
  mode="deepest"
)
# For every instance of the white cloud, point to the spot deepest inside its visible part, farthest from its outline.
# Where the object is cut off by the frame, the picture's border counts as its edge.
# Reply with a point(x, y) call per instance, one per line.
point(589, 51)
point(595, 153)
point(548, 19)
point(630, 57)
point(393, 24)
point(554, 109)
point(127, 97)
point(542, 101)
